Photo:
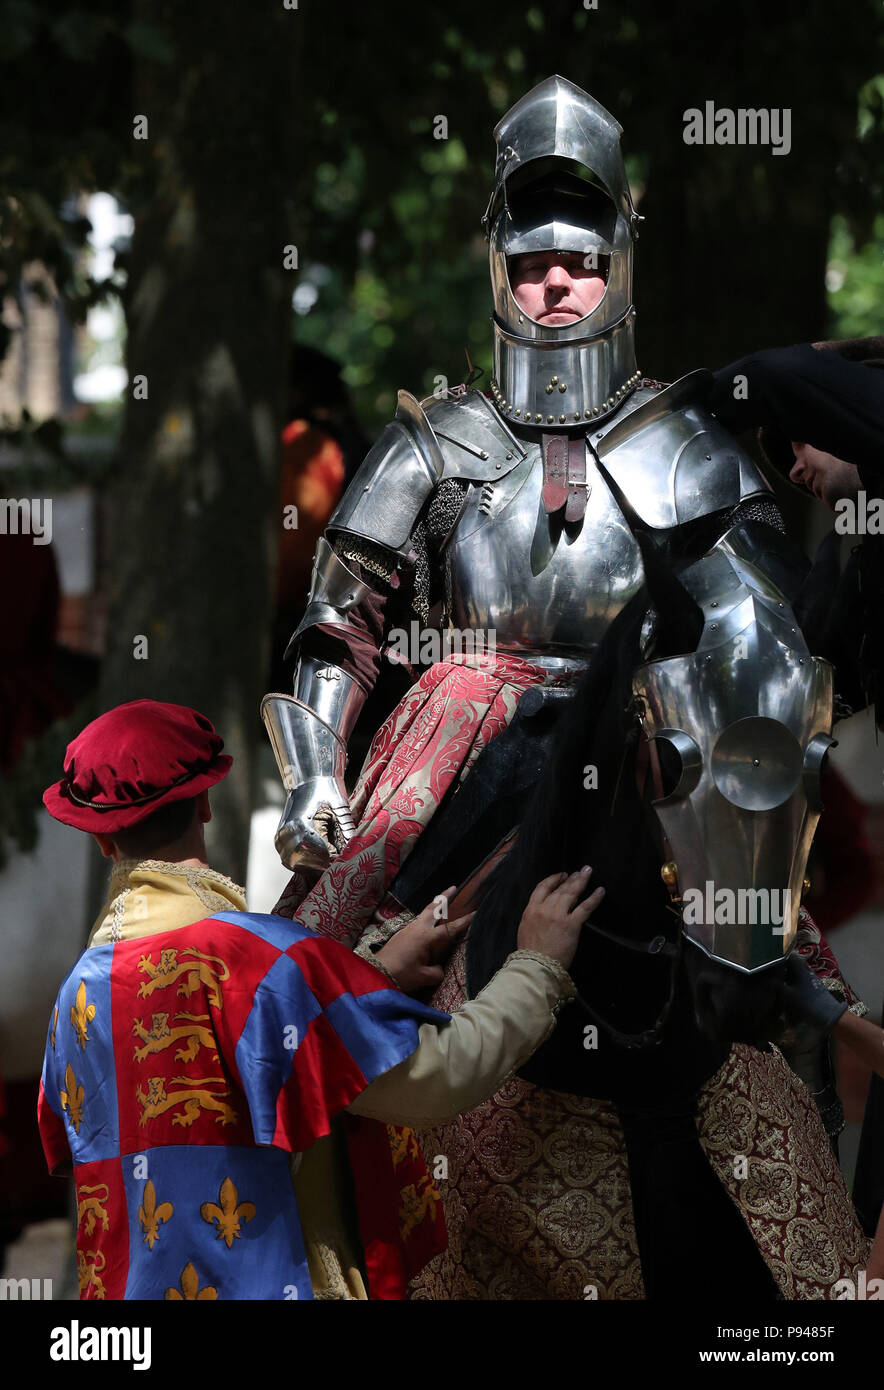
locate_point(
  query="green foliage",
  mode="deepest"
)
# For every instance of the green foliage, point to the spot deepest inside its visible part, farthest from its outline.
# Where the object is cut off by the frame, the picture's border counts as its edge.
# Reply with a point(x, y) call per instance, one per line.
point(855, 281)
point(855, 271)
point(65, 131)
point(391, 235)
point(385, 216)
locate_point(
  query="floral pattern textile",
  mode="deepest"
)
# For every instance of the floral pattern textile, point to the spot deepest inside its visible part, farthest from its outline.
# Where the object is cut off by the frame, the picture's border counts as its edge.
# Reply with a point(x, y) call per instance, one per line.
point(429, 743)
point(537, 1199)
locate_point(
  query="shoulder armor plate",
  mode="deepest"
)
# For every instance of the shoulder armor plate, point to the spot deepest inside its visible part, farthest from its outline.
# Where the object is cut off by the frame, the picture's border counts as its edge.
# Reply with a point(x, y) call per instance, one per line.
point(393, 481)
point(459, 436)
point(476, 444)
point(674, 462)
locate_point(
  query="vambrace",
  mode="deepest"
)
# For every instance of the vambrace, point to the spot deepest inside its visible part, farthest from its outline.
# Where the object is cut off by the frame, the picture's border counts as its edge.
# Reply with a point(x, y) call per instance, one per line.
point(309, 730)
point(312, 757)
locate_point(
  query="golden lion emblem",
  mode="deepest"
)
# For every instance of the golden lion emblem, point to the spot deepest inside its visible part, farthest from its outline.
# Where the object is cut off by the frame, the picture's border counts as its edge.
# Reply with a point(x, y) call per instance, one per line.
point(160, 1036)
point(417, 1202)
point(92, 1207)
point(87, 1273)
point(191, 973)
point(194, 1095)
point(403, 1144)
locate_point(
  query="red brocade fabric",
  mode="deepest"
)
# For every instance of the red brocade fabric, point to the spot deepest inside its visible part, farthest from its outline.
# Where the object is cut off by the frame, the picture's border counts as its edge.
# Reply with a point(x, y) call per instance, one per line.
point(537, 1198)
point(538, 1202)
point(429, 742)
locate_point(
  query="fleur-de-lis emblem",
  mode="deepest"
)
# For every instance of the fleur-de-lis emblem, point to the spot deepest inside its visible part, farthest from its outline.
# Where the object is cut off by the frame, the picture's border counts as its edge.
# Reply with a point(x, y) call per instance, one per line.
point(229, 1214)
point(190, 1288)
point(82, 1015)
point(72, 1098)
point(150, 1215)
point(53, 1028)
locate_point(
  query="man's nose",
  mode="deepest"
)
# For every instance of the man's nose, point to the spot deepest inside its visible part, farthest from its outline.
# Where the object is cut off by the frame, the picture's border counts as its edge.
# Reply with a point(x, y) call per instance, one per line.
point(557, 278)
point(796, 472)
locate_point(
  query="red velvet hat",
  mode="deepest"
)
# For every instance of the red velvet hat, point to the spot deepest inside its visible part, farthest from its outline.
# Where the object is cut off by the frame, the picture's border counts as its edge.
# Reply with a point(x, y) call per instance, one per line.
point(131, 761)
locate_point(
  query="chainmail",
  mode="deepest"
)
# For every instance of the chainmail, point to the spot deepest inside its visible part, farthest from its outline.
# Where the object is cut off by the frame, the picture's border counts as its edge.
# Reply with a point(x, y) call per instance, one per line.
point(757, 509)
point(442, 513)
point(373, 558)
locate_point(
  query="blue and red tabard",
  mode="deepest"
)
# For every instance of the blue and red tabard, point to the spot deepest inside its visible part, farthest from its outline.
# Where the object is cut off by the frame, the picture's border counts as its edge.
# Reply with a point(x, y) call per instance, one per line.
point(183, 1068)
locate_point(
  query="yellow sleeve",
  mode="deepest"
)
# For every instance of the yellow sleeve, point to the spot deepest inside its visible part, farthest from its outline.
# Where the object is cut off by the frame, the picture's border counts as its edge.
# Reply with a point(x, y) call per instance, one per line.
point(459, 1064)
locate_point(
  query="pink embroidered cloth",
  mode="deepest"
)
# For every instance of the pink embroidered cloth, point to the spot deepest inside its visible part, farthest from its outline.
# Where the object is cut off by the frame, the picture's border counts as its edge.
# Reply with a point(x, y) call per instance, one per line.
point(430, 741)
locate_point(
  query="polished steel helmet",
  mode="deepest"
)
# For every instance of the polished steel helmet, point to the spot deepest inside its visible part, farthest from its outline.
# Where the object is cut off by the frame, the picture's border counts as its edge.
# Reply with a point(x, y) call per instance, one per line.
point(750, 715)
point(560, 185)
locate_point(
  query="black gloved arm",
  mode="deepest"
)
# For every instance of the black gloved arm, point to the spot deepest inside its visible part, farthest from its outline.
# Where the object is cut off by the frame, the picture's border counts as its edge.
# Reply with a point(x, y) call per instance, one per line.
point(810, 1010)
point(814, 397)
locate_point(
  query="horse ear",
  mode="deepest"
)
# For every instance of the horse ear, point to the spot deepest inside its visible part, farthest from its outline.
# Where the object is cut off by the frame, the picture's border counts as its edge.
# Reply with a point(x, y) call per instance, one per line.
point(680, 618)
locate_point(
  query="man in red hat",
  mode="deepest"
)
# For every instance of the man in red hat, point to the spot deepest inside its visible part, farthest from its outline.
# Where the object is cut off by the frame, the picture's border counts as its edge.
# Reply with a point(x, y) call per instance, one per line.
point(138, 780)
point(199, 1055)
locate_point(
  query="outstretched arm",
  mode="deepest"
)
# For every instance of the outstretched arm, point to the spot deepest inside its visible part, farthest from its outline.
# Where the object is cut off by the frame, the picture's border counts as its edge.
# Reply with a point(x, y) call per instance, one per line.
point(864, 1038)
point(463, 1062)
point(810, 395)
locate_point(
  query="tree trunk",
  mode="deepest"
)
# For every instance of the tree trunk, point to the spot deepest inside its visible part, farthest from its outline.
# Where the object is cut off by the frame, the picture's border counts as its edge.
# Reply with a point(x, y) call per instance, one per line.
point(208, 315)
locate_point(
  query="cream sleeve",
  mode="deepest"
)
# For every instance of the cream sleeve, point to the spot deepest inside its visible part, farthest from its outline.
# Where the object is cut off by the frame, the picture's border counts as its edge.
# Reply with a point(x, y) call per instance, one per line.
point(459, 1064)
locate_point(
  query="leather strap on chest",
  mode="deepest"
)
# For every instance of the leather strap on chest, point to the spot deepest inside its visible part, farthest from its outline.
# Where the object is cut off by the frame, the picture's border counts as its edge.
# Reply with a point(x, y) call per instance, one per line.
point(555, 472)
point(564, 475)
point(578, 492)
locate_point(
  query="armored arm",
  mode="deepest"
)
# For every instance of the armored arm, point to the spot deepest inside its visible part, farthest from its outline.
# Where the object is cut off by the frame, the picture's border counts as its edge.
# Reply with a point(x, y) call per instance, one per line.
point(309, 729)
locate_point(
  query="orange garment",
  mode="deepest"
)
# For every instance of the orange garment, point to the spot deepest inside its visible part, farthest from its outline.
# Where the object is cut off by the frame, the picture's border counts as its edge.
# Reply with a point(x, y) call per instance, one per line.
point(312, 481)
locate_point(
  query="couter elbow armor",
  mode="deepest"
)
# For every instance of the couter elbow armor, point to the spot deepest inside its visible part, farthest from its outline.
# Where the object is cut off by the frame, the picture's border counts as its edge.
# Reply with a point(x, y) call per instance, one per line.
point(309, 729)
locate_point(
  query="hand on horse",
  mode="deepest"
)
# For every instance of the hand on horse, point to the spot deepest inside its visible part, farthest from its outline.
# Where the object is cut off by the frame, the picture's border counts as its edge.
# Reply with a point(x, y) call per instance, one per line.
point(552, 921)
point(416, 954)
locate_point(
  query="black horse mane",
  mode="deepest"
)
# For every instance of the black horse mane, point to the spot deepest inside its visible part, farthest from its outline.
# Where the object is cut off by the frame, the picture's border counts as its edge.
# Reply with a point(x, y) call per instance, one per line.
point(566, 820)
point(612, 828)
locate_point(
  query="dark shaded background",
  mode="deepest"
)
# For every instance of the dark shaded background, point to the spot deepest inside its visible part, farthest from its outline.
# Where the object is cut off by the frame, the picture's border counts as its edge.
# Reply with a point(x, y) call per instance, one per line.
point(313, 127)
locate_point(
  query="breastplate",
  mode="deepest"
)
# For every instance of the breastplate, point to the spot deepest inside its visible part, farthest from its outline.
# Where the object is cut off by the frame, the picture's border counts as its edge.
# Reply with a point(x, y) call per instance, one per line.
point(538, 584)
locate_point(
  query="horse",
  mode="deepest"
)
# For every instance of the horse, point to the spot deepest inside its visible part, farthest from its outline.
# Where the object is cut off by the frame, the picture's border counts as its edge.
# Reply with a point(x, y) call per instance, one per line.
point(655, 1021)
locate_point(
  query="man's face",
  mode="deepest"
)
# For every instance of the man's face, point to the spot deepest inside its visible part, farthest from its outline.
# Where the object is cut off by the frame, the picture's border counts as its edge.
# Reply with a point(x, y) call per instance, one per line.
point(827, 477)
point(555, 287)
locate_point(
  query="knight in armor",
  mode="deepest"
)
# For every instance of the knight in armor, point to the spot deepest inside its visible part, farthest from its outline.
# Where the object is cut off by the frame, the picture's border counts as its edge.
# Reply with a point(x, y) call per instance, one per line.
point(527, 516)
point(522, 513)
